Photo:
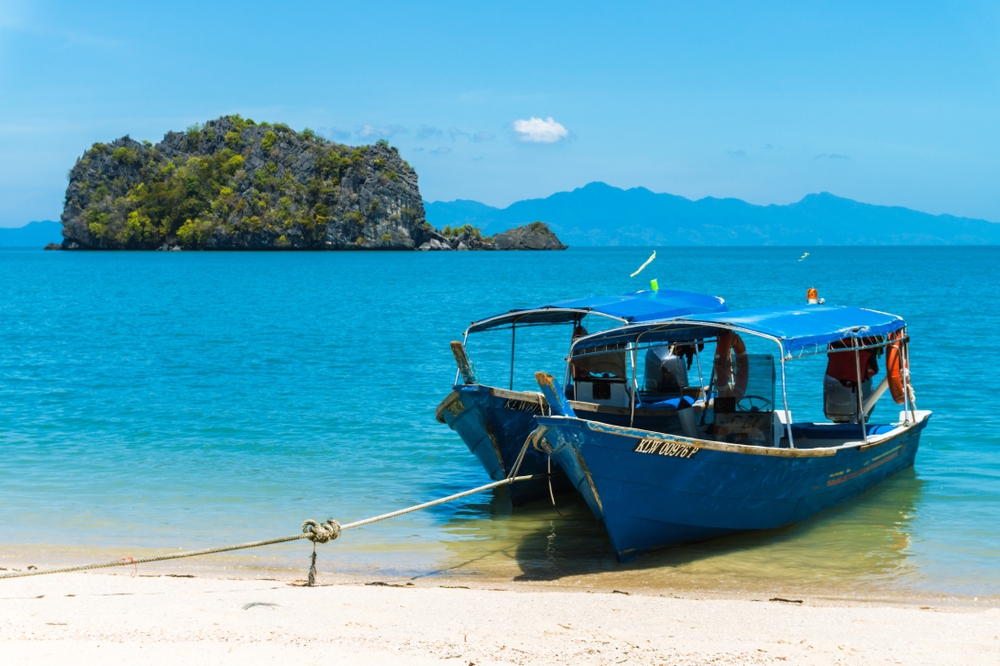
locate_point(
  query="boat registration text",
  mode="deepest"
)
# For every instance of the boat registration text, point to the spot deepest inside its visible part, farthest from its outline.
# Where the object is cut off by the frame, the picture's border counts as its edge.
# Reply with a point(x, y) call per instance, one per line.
point(521, 405)
point(659, 447)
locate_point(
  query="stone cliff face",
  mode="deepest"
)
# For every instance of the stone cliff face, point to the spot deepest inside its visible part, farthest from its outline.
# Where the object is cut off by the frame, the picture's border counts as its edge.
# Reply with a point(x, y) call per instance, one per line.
point(234, 184)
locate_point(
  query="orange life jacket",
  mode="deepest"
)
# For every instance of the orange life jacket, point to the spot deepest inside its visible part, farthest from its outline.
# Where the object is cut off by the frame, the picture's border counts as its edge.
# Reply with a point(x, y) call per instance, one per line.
point(843, 366)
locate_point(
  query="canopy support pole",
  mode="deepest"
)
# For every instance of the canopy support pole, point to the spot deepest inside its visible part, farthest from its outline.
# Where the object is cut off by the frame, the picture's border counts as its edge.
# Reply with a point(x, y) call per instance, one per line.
point(701, 378)
point(568, 375)
point(513, 331)
point(784, 398)
point(907, 386)
point(635, 385)
point(903, 373)
point(861, 402)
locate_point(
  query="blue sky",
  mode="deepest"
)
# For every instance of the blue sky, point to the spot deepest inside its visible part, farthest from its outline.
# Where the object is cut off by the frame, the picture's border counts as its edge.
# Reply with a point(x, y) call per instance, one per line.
point(888, 103)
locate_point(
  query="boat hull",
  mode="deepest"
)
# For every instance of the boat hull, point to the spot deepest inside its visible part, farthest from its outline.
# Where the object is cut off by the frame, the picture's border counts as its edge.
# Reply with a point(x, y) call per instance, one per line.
point(494, 425)
point(654, 491)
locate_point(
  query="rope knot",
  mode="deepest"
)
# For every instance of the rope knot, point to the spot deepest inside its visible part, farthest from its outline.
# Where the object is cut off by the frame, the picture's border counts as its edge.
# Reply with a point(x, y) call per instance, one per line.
point(321, 532)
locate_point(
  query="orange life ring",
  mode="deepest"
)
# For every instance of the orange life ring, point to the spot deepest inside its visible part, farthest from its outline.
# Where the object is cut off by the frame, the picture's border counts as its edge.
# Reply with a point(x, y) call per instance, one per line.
point(894, 368)
point(727, 343)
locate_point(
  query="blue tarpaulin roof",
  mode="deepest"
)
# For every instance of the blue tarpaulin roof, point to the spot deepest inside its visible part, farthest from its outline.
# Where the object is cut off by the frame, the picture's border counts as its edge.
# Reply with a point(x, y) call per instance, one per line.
point(638, 306)
point(800, 329)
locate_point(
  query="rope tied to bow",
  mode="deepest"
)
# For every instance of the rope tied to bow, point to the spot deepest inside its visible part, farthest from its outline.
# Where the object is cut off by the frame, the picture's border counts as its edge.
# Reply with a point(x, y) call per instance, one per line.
point(321, 532)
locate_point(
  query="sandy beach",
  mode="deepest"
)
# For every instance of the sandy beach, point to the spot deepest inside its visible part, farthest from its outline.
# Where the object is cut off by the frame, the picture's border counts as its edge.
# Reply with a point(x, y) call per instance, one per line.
point(113, 618)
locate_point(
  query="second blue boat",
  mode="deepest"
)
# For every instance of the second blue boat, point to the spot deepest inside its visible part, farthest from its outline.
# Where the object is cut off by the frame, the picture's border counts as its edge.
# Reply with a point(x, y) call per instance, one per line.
point(495, 421)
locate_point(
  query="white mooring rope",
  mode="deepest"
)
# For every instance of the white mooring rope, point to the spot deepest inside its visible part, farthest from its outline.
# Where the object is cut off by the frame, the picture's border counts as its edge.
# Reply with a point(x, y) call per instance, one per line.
point(312, 530)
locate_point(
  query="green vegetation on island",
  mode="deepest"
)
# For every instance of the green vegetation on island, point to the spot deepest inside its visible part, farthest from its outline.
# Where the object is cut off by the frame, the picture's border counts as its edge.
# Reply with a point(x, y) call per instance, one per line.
point(233, 184)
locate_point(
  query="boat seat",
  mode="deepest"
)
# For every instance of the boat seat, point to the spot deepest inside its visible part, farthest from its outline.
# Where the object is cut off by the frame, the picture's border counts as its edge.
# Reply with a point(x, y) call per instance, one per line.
point(664, 404)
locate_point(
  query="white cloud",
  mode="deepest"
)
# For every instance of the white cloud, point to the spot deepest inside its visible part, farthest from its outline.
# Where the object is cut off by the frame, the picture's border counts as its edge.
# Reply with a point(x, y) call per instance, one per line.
point(455, 134)
point(536, 130)
point(427, 131)
point(370, 131)
point(334, 133)
point(440, 150)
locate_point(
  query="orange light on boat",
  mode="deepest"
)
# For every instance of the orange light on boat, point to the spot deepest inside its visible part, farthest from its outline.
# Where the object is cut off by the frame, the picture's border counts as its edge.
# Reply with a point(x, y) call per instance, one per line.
point(812, 296)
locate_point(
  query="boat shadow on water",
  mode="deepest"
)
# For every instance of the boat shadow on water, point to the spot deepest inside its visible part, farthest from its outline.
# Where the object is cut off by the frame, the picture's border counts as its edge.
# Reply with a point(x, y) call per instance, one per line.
point(859, 546)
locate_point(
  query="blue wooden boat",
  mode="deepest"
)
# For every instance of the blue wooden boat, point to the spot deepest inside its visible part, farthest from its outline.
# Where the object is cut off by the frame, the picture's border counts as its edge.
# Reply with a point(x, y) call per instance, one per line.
point(741, 464)
point(494, 421)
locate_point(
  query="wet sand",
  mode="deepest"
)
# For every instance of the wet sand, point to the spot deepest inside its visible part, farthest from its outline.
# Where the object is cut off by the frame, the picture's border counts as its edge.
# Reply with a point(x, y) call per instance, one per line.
point(158, 618)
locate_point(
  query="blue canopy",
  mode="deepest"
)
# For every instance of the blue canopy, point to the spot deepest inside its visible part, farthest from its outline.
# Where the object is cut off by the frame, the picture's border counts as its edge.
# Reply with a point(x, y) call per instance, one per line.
point(638, 306)
point(803, 329)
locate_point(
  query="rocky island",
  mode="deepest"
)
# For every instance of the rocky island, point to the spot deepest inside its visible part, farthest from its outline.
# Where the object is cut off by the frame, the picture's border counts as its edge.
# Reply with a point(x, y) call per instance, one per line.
point(233, 184)
point(534, 236)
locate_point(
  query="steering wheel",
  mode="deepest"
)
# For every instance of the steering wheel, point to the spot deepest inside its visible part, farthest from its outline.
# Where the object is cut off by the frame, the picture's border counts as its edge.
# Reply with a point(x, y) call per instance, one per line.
point(752, 403)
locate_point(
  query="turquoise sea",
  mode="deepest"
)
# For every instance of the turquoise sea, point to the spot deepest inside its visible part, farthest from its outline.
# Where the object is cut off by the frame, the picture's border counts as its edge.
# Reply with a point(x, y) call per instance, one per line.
point(157, 401)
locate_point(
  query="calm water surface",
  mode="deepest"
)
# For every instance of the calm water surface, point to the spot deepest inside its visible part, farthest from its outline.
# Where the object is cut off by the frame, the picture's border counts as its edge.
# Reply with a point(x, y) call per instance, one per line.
point(155, 401)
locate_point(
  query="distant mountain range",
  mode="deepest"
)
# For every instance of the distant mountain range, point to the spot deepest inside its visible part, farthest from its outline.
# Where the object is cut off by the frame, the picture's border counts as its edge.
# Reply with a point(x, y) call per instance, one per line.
point(599, 214)
point(33, 234)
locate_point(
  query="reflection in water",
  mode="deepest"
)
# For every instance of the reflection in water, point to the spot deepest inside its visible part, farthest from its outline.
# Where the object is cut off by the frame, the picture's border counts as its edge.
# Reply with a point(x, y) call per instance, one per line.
point(860, 546)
